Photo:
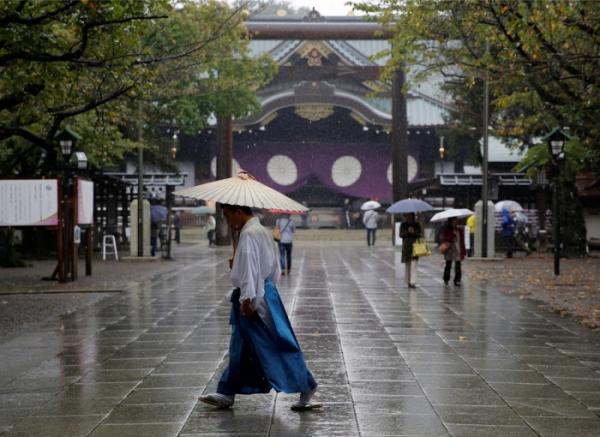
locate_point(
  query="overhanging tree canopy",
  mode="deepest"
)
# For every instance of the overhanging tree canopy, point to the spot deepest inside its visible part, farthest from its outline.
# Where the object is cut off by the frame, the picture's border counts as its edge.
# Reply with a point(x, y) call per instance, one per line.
point(542, 58)
point(89, 63)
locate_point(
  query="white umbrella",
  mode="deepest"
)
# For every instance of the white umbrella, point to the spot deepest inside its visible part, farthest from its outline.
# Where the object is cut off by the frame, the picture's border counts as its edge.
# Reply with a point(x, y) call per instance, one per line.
point(451, 213)
point(370, 204)
point(511, 205)
point(243, 190)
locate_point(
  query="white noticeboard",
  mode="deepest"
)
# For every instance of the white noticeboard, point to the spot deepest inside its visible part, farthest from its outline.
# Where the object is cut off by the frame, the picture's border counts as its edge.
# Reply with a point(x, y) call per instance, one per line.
point(29, 202)
point(85, 202)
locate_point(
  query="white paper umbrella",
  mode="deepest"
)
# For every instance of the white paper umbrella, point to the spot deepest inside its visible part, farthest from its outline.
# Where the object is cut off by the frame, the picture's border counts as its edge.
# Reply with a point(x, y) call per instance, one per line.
point(451, 213)
point(511, 205)
point(370, 204)
point(243, 190)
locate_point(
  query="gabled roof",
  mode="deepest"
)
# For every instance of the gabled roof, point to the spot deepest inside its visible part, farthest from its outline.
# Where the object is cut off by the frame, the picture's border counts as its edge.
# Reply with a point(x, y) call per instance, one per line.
point(424, 107)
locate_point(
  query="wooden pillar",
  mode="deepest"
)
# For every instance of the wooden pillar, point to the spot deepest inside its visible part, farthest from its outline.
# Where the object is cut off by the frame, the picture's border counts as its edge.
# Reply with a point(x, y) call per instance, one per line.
point(224, 158)
point(399, 139)
point(60, 249)
point(89, 250)
point(169, 202)
point(74, 247)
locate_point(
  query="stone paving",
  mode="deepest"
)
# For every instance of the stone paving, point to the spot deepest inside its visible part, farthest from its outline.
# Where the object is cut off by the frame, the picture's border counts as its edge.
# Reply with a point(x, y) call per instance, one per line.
point(391, 361)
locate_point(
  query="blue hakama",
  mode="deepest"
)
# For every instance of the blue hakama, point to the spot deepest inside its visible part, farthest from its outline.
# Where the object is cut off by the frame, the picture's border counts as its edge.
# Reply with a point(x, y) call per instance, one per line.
point(261, 359)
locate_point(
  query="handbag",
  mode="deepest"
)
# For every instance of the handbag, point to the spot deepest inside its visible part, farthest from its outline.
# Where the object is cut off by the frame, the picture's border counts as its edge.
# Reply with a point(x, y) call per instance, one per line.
point(276, 232)
point(444, 247)
point(420, 248)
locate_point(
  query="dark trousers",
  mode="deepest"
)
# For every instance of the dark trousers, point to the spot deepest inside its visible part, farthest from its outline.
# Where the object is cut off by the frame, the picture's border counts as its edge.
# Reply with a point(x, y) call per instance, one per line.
point(153, 244)
point(285, 256)
point(457, 271)
point(371, 236)
point(211, 237)
point(509, 242)
point(471, 244)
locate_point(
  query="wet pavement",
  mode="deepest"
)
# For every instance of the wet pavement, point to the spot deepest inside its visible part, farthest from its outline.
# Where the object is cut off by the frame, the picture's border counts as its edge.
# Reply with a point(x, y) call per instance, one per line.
point(391, 361)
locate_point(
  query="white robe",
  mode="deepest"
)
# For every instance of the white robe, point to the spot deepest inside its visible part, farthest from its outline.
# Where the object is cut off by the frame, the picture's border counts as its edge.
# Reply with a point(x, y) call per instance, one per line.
point(256, 259)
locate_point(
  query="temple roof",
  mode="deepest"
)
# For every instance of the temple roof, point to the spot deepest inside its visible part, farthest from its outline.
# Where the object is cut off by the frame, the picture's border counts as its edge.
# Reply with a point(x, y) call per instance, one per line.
point(350, 73)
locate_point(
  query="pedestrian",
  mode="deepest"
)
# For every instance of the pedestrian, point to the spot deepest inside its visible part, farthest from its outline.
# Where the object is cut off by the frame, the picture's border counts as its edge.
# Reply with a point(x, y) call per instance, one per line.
point(346, 211)
point(410, 231)
point(305, 216)
point(471, 224)
point(177, 226)
point(508, 232)
point(521, 234)
point(153, 238)
point(453, 235)
point(370, 221)
point(264, 353)
point(286, 227)
point(211, 225)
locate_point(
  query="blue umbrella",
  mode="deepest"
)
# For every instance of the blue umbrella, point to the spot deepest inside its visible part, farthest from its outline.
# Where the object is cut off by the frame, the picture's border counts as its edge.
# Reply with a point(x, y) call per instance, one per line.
point(158, 213)
point(406, 206)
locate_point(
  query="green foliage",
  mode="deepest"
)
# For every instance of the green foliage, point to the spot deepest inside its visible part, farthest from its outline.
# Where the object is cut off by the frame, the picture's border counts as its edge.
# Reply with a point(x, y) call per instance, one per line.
point(106, 68)
point(541, 58)
point(572, 225)
point(462, 130)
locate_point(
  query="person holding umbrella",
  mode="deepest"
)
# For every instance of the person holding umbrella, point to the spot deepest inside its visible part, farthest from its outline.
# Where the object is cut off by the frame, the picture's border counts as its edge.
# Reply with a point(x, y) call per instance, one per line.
point(410, 231)
point(453, 237)
point(264, 353)
point(508, 231)
point(370, 218)
point(158, 214)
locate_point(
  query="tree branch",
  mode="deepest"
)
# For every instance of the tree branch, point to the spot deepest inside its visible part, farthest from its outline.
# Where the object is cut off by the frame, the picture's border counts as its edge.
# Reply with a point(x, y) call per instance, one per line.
point(11, 100)
point(81, 46)
point(60, 116)
point(17, 19)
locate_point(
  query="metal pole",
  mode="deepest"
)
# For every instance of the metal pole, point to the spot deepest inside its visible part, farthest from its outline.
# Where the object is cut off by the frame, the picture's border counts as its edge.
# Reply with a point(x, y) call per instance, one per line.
point(484, 164)
point(60, 269)
point(68, 228)
point(169, 194)
point(556, 222)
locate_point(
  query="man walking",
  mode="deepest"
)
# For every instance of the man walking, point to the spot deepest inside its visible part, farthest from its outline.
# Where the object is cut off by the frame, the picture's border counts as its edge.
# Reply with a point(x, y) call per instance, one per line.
point(370, 221)
point(264, 353)
point(286, 227)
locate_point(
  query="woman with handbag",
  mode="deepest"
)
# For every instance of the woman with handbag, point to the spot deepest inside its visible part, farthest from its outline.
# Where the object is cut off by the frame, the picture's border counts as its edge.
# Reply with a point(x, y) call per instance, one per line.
point(410, 232)
point(453, 249)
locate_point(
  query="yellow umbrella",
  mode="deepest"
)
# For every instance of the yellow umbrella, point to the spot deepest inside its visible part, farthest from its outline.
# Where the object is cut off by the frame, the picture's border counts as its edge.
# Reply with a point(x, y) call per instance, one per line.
point(243, 190)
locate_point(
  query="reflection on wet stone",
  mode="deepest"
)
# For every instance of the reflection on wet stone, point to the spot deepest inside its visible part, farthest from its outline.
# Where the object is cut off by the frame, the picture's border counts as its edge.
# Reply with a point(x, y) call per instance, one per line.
point(390, 360)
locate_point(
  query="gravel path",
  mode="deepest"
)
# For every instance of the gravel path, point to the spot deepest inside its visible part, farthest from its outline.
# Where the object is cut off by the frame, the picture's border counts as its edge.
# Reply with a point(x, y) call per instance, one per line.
point(574, 293)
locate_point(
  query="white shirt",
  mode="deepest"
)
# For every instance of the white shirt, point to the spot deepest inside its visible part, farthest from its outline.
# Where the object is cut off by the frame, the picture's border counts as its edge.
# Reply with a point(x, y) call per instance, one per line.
point(287, 228)
point(370, 219)
point(256, 259)
point(211, 223)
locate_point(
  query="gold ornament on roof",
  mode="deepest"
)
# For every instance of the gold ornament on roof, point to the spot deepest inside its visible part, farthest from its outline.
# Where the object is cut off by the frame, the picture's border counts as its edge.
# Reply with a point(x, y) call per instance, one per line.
point(314, 53)
point(314, 112)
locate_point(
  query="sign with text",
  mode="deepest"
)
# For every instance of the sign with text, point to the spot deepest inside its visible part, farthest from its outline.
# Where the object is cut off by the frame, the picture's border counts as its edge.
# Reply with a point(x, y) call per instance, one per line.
point(29, 202)
point(85, 202)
